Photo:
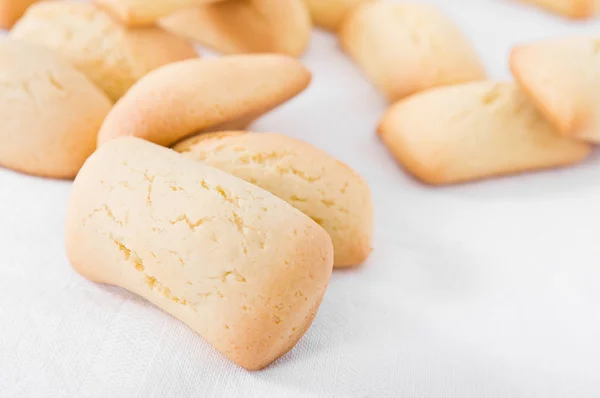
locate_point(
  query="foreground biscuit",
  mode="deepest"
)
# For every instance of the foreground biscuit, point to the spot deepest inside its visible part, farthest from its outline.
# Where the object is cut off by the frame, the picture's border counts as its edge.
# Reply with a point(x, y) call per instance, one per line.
point(328, 14)
point(12, 10)
point(562, 77)
point(110, 55)
point(239, 266)
point(145, 12)
point(569, 8)
point(405, 48)
point(248, 26)
point(50, 112)
point(472, 131)
point(318, 185)
point(189, 97)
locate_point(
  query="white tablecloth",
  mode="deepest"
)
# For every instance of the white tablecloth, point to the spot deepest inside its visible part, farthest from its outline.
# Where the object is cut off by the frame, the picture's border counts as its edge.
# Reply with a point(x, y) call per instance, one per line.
point(481, 290)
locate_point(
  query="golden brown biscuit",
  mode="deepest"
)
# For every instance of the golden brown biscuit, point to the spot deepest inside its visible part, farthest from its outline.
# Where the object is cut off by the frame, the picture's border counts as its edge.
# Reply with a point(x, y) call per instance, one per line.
point(193, 96)
point(569, 8)
point(318, 185)
point(473, 131)
point(111, 56)
point(236, 264)
point(246, 26)
point(562, 77)
point(329, 13)
point(12, 10)
point(405, 48)
point(50, 112)
point(145, 12)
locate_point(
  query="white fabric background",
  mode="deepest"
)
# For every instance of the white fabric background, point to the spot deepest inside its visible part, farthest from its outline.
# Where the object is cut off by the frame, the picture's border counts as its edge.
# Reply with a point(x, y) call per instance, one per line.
point(481, 290)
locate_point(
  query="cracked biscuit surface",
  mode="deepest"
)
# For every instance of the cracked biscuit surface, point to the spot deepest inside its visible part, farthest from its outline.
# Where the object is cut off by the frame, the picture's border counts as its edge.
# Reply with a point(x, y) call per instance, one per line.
point(318, 185)
point(239, 266)
point(405, 48)
point(112, 56)
point(246, 26)
point(478, 130)
point(562, 77)
point(188, 97)
point(51, 112)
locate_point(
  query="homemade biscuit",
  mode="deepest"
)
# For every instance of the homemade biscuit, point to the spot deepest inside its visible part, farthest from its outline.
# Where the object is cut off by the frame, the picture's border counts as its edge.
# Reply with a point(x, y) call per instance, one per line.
point(569, 8)
point(50, 112)
point(472, 131)
point(328, 14)
point(562, 77)
point(246, 26)
point(193, 96)
point(145, 12)
point(318, 185)
point(12, 10)
point(236, 264)
point(405, 48)
point(113, 57)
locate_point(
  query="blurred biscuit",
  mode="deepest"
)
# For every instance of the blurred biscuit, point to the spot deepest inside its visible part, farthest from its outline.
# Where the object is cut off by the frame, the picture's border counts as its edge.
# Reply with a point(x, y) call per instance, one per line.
point(112, 56)
point(472, 131)
point(246, 26)
point(569, 8)
point(314, 182)
point(12, 10)
point(405, 48)
point(239, 266)
point(194, 96)
point(328, 14)
point(51, 112)
point(562, 77)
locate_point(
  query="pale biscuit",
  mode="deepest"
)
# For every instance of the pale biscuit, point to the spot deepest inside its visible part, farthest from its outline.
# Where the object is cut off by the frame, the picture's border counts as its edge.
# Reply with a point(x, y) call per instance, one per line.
point(405, 48)
point(236, 264)
point(193, 96)
point(318, 185)
point(569, 8)
point(112, 56)
point(50, 112)
point(562, 77)
point(246, 26)
point(472, 131)
point(145, 12)
point(328, 14)
point(12, 10)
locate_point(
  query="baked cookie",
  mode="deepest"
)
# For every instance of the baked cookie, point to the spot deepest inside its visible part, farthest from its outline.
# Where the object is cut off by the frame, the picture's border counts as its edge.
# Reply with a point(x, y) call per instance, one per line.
point(261, 26)
point(312, 181)
point(569, 8)
point(473, 131)
point(200, 95)
point(236, 264)
point(50, 112)
point(562, 77)
point(405, 48)
point(12, 10)
point(145, 12)
point(328, 14)
point(110, 55)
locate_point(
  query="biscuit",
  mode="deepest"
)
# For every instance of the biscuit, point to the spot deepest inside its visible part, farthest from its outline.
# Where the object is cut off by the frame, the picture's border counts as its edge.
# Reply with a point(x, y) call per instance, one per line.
point(472, 131)
point(50, 112)
point(145, 12)
point(236, 264)
point(111, 56)
point(261, 26)
point(569, 8)
point(194, 96)
point(405, 48)
point(562, 77)
point(12, 10)
point(328, 14)
point(312, 181)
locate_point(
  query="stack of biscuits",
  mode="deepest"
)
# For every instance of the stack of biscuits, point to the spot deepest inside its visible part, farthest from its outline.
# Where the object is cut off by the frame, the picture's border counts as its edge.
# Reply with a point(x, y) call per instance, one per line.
point(236, 233)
